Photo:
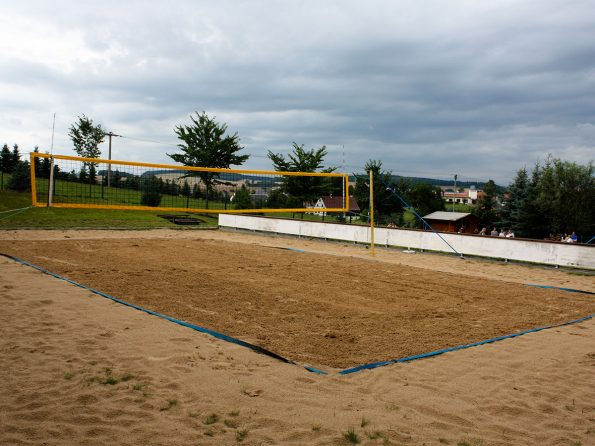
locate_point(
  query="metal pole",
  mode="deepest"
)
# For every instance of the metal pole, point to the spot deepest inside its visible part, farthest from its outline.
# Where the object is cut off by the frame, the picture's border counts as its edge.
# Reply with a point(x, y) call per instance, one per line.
point(109, 166)
point(51, 185)
point(371, 212)
point(454, 192)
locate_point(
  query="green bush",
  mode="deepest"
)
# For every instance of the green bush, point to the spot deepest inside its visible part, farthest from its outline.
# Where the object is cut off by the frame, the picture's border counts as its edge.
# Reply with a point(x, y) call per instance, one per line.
point(150, 195)
point(21, 177)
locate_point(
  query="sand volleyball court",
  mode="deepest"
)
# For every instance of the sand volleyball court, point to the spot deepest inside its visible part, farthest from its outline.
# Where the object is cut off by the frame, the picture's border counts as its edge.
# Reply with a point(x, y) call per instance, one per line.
point(80, 369)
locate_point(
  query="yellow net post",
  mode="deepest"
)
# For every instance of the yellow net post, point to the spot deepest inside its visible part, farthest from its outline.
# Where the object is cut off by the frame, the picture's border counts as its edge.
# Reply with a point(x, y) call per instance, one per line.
point(371, 212)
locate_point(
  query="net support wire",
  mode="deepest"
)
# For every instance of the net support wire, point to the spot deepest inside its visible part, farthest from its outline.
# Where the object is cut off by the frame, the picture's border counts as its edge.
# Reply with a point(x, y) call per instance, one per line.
point(426, 224)
point(13, 212)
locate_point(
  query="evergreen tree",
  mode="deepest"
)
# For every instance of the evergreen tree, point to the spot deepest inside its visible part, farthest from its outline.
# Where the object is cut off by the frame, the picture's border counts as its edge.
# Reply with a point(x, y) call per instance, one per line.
point(150, 187)
point(20, 180)
point(385, 202)
point(242, 199)
point(486, 206)
point(195, 191)
point(515, 213)
point(6, 159)
point(185, 190)
point(15, 156)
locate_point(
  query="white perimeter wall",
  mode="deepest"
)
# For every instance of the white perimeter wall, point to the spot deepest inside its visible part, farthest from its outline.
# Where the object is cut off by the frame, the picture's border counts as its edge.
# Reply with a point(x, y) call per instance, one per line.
point(549, 253)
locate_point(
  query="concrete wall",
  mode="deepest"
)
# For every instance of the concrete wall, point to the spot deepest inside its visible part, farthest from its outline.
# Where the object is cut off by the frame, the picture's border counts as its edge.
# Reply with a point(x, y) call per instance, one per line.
point(548, 253)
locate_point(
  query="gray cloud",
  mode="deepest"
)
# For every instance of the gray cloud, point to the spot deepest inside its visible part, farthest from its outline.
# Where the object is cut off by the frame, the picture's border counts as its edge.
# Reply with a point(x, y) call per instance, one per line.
point(430, 88)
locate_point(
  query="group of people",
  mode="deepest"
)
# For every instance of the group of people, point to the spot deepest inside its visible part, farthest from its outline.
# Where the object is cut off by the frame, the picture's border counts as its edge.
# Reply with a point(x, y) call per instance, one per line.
point(495, 233)
point(572, 238)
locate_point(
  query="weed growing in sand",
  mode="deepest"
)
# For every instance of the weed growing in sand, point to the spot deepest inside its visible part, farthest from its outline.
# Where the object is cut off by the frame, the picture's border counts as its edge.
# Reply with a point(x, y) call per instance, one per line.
point(316, 428)
point(374, 435)
point(212, 419)
point(68, 375)
point(209, 433)
point(364, 422)
point(392, 406)
point(169, 405)
point(231, 423)
point(126, 377)
point(241, 435)
point(138, 386)
point(193, 414)
point(351, 436)
point(578, 443)
point(234, 413)
point(110, 380)
point(443, 440)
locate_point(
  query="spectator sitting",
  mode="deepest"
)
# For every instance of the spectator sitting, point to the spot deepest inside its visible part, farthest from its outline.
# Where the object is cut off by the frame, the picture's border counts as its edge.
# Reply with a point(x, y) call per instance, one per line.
point(494, 232)
point(572, 238)
point(510, 234)
point(502, 233)
point(392, 225)
point(483, 231)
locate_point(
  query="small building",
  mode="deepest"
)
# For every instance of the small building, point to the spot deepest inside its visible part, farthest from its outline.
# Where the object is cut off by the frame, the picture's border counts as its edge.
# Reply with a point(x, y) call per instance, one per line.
point(335, 203)
point(462, 222)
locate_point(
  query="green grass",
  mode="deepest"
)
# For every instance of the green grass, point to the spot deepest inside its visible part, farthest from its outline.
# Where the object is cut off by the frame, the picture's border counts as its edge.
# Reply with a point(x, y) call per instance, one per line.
point(58, 218)
point(351, 436)
point(211, 419)
point(169, 405)
point(241, 435)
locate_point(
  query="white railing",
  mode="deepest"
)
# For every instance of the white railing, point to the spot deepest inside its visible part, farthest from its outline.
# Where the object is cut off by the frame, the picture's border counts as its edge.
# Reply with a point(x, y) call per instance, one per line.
point(534, 251)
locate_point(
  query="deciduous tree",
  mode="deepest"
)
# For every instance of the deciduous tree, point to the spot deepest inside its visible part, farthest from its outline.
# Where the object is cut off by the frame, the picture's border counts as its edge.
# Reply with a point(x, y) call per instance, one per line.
point(205, 144)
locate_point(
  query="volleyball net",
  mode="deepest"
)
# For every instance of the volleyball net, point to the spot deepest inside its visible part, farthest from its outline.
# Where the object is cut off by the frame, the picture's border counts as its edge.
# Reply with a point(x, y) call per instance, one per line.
point(76, 182)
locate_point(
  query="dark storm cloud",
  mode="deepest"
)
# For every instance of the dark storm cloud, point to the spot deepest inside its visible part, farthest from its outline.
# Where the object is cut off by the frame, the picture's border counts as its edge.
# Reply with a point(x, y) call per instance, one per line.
point(428, 87)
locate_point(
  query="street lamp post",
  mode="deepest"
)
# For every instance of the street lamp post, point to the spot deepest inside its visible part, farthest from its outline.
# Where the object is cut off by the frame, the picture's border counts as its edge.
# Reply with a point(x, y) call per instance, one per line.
point(109, 165)
point(454, 193)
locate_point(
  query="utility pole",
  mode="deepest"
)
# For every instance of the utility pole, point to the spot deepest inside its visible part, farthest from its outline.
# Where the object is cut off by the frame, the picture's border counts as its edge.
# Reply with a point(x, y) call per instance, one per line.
point(455, 191)
point(109, 165)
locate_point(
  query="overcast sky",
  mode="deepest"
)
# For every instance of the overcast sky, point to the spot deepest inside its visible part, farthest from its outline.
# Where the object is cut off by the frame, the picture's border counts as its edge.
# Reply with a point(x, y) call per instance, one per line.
point(431, 88)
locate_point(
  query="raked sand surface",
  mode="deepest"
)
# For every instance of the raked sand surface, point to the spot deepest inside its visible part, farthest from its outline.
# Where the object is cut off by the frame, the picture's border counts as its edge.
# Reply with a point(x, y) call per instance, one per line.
point(80, 369)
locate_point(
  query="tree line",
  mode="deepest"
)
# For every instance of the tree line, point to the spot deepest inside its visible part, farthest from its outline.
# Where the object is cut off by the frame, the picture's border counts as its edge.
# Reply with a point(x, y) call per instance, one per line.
point(557, 196)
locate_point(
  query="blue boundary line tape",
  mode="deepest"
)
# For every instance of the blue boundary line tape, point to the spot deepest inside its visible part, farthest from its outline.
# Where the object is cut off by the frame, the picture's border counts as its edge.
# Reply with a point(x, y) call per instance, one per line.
point(459, 347)
point(215, 334)
point(266, 352)
point(570, 290)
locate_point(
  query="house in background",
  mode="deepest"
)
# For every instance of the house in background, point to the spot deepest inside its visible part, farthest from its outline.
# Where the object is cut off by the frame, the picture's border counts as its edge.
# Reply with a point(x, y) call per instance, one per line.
point(468, 195)
point(462, 222)
point(335, 203)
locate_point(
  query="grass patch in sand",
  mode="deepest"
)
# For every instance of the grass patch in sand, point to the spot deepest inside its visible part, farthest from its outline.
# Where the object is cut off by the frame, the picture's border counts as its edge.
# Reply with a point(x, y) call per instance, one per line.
point(169, 405)
point(374, 435)
point(68, 375)
point(351, 436)
point(231, 423)
point(241, 435)
point(211, 419)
